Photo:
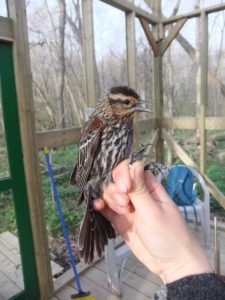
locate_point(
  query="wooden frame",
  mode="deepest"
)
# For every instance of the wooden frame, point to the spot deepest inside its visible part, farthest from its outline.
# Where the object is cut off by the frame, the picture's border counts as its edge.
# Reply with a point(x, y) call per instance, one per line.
point(17, 17)
point(14, 29)
point(195, 13)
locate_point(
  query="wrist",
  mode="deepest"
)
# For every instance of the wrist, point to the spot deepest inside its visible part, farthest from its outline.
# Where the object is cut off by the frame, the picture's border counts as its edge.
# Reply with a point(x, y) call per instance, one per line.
point(190, 263)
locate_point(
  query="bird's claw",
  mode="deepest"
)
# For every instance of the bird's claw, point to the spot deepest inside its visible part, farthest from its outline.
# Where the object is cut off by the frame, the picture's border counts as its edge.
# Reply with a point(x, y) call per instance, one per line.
point(139, 154)
point(155, 168)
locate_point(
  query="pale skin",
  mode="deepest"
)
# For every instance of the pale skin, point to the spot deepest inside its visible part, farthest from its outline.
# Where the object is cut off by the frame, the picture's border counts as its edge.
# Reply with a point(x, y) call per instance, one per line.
point(151, 224)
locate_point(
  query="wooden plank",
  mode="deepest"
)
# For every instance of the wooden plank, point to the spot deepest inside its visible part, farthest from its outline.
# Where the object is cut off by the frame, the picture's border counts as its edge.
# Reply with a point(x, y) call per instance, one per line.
point(58, 138)
point(6, 29)
point(215, 123)
point(12, 271)
point(129, 291)
point(172, 144)
point(211, 123)
point(131, 62)
point(131, 48)
point(149, 35)
point(9, 247)
point(153, 142)
point(158, 89)
point(89, 53)
point(180, 123)
point(10, 253)
point(99, 291)
point(64, 137)
point(203, 90)
point(126, 6)
point(195, 13)
point(17, 11)
point(7, 287)
point(68, 277)
point(66, 293)
point(172, 35)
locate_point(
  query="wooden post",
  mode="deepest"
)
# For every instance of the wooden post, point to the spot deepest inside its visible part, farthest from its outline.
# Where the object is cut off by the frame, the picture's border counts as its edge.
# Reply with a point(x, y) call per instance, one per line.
point(17, 11)
point(203, 89)
point(131, 62)
point(89, 53)
point(131, 48)
point(158, 84)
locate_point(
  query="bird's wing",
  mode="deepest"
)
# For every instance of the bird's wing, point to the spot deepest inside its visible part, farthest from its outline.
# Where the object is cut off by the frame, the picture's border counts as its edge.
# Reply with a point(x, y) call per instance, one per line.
point(89, 141)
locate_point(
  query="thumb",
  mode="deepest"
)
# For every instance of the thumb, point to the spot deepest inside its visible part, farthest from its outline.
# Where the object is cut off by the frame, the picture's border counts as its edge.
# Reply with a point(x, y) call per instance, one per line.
point(139, 194)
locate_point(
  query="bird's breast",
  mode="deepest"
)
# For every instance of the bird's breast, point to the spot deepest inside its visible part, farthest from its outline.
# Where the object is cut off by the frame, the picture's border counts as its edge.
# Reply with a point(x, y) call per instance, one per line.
point(115, 146)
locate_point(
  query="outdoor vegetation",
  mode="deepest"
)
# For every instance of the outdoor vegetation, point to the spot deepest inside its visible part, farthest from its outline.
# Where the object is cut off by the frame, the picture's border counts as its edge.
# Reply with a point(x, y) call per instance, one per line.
point(57, 62)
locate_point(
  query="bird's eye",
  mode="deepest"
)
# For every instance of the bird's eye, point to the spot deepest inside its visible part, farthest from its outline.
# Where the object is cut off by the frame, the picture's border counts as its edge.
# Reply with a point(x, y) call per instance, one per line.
point(127, 102)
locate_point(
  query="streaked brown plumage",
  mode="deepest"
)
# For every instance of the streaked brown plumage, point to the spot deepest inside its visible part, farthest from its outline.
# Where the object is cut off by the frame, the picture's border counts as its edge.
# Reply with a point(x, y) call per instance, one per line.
point(106, 139)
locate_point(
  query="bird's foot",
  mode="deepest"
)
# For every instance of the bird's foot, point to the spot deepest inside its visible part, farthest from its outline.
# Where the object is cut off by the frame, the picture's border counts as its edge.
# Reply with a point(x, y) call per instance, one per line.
point(140, 154)
point(155, 168)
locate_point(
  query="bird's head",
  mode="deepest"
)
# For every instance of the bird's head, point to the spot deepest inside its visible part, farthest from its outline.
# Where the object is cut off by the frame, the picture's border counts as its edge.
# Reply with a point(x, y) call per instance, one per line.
point(124, 101)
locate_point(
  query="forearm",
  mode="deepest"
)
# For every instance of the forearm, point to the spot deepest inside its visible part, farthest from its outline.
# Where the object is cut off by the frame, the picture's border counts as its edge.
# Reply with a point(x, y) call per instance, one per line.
point(196, 287)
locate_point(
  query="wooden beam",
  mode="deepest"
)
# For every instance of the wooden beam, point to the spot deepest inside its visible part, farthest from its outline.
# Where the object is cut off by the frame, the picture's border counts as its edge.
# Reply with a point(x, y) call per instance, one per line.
point(149, 35)
point(180, 123)
point(215, 123)
point(191, 123)
point(174, 147)
point(131, 63)
point(158, 103)
point(172, 35)
point(129, 7)
point(203, 89)
point(89, 53)
point(195, 13)
point(153, 142)
point(58, 138)
point(17, 11)
point(6, 29)
point(131, 48)
point(64, 137)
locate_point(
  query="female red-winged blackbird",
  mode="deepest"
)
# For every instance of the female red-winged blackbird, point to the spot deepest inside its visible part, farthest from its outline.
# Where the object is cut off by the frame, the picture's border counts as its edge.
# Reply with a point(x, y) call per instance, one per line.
point(106, 139)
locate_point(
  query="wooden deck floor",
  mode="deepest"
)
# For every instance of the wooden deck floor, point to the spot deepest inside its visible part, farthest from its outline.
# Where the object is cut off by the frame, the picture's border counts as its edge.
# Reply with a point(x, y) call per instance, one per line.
point(11, 278)
point(138, 283)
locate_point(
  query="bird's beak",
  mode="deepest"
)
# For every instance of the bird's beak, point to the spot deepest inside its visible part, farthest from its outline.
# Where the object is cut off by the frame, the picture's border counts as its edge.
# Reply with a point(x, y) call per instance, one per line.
point(143, 106)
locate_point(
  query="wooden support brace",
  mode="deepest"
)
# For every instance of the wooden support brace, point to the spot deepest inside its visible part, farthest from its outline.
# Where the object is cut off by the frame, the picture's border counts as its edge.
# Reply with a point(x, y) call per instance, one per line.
point(153, 141)
point(149, 35)
point(172, 35)
point(174, 147)
point(6, 29)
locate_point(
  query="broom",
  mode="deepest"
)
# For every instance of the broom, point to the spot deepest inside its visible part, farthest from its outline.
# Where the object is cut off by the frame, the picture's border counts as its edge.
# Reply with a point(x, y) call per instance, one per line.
point(81, 294)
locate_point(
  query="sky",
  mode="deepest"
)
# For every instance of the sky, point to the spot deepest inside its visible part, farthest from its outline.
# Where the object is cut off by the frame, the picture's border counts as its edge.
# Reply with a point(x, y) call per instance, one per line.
point(109, 23)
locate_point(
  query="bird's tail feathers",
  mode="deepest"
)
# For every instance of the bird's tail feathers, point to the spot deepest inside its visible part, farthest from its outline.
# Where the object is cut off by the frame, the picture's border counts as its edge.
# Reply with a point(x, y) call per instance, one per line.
point(94, 234)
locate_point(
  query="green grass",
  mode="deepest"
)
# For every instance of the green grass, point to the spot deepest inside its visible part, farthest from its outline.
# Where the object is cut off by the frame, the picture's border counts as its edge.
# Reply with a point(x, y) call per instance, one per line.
point(216, 172)
point(62, 161)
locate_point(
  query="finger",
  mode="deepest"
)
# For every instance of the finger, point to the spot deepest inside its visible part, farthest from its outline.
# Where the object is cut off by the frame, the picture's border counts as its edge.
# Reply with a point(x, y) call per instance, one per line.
point(120, 203)
point(139, 191)
point(155, 188)
point(121, 199)
point(113, 196)
point(100, 205)
point(121, 176)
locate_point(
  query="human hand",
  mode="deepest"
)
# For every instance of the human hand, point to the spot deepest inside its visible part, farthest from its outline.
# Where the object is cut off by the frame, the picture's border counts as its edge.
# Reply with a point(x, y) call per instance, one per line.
point(150, 223)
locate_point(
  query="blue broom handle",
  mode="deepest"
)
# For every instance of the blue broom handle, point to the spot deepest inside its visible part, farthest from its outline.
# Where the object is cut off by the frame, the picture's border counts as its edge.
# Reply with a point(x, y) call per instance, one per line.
point(77, 280)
